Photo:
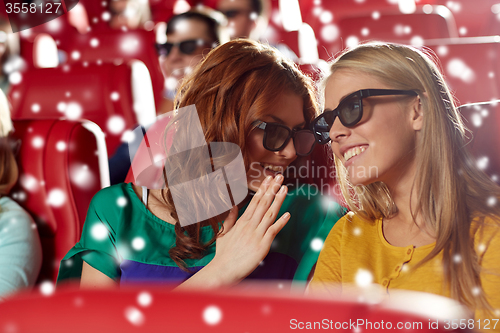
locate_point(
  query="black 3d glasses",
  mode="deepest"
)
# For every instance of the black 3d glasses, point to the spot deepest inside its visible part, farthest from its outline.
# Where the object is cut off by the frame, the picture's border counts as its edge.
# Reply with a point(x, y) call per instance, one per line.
point(349, 111)
point(186, 46)
point(277, 136)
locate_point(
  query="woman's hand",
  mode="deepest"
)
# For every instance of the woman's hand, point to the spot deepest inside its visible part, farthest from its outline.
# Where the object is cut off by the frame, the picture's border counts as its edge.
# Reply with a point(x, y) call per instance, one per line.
point(245, 242)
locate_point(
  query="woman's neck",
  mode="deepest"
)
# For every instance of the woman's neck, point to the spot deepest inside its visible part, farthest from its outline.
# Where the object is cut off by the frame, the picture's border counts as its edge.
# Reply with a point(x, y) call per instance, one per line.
point(408, 227)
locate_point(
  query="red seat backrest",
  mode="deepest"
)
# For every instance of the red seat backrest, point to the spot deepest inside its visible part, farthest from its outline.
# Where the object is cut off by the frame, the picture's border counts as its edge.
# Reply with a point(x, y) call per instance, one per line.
point(106, 45)
point(60, 29)
point(390, 25)
point(470, 67)
point(59, 173)
point(143, 308)
point(483, 119)
point(102, 94)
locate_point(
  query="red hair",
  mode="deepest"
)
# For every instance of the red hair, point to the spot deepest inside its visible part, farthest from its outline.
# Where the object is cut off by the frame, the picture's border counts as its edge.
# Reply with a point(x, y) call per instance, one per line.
point(235, 85)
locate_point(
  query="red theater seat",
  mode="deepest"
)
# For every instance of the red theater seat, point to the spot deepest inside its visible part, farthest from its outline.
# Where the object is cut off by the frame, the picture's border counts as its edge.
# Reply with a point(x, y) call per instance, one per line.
point(483, 119)
point(60, 29)
point(62, 164)
point(106, 45)
point(100, 93)
point(148, 309)
point(470, 66)
point(387, 24)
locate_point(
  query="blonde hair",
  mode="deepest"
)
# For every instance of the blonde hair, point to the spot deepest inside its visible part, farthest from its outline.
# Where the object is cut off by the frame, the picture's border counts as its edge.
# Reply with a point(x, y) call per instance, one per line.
point(451, 191)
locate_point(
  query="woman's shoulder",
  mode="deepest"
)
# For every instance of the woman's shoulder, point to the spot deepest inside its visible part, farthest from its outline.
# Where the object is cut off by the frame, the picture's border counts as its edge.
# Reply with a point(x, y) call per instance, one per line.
point(17, 225)
point(12, 211)
point(118, 196)
point(354, 223)
point(114, 191)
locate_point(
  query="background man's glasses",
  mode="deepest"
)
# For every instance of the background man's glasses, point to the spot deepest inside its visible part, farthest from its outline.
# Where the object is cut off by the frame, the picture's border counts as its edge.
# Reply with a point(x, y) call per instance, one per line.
point(349, 111)
point(186, 47)
point(232, 13)
point(277, 136)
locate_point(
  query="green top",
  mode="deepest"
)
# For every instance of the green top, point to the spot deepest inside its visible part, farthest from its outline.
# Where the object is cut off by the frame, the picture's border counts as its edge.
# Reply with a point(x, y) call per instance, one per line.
point(124, 240)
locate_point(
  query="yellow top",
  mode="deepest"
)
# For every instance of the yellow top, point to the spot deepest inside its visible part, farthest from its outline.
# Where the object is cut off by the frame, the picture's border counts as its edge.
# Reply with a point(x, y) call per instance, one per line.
point(356, 251)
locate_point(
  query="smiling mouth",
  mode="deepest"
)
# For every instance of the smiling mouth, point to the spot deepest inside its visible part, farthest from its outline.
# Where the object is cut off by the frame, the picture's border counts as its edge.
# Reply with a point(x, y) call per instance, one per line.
point(353, 152)
point(272, 168)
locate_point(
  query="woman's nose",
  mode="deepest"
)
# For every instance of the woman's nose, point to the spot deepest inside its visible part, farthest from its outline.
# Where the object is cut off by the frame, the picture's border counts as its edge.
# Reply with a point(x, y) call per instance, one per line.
point(338, 130)
point(289, 150)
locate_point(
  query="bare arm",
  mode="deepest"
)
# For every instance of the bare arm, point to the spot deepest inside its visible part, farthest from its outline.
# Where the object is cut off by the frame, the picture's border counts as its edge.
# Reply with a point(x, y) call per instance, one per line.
point(92, 278)
point(240, 248)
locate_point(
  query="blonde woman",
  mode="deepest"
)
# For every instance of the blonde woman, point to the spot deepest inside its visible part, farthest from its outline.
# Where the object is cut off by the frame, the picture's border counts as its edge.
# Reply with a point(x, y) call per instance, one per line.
point(424, 217)
point(20, 249)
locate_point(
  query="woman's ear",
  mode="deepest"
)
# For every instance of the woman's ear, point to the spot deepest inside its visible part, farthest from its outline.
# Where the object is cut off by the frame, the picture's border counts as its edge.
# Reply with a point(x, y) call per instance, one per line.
point(417, 114)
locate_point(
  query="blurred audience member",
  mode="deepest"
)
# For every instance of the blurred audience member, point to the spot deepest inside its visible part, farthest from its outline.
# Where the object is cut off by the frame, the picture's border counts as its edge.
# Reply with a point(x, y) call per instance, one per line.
point(20, 249)
point(190, 36)
point(246, 18)
point(9, 54)
point(249, 19)
point(129, 14)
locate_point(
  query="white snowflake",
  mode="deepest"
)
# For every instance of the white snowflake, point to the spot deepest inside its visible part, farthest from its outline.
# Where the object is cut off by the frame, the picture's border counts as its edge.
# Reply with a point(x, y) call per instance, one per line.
point(457, 68)
point(129, 45)
point(99, 232)
point(121, 201)
point(363, 278)
point(417, 41)
point(29, 182)
point(212, 315)
point(94, 42)
point(326, 17)
point(61, 146)
point(144, 299)
point(106, 16)
point(330, 33)
point(61, 106)
point(317, 244)
point(476, 120)
point(47, 288)
point(82, 176)
point(134, 316)
point(481, 248)
point(35, 108)
point(56, 198)
point(138, 243)
point(492, 201)
point(37, 142)
point(115, 124)
point(442, 51)
point(351, 41)
point(73, 111)
point(15, 78)
point(482, 162)
point(128, 136)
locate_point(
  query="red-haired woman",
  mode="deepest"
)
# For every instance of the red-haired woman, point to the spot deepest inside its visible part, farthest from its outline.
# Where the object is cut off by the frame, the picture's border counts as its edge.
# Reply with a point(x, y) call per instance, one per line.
point(247, 94)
